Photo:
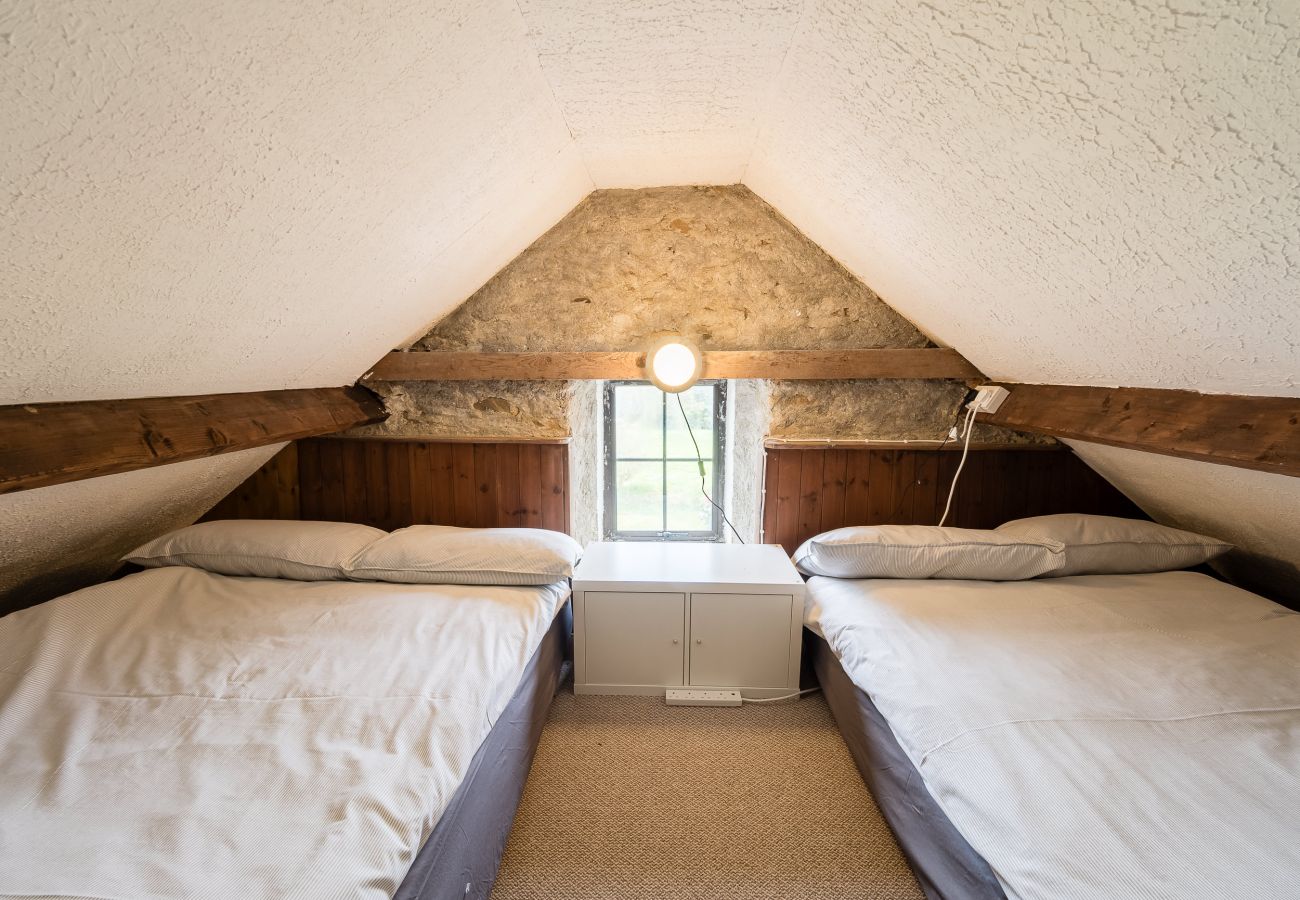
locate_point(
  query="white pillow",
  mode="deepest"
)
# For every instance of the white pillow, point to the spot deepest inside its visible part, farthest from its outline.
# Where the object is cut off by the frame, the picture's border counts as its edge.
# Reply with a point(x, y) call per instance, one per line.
point(926, 551)
point(441, 554)
point(1109, 545)
point(303, 551)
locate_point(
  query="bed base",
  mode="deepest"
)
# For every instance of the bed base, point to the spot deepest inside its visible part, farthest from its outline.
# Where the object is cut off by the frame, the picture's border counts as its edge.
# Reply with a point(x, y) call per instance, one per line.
point(946, 867)
point(463, 853)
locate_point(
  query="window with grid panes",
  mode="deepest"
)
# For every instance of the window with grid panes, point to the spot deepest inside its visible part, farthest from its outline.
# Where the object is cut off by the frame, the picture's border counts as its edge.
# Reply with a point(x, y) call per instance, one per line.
point(652, 476)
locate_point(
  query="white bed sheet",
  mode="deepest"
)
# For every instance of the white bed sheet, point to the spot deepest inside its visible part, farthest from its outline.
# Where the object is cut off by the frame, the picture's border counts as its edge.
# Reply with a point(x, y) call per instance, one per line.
point(181, 734)
point(1117, 736)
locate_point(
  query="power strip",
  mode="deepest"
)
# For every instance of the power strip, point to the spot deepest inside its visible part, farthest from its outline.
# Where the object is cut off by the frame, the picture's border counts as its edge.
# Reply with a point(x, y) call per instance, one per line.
point(687, 697)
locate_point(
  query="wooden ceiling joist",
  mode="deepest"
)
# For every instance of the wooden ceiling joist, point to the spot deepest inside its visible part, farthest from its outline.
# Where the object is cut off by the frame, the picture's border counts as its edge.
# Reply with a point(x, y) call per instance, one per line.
point(1261, 433)
point(50, 443)
point(933, 362)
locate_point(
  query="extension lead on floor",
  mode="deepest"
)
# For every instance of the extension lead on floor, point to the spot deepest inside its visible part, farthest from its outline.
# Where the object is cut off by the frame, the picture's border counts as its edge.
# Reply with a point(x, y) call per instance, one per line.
point(695, 697)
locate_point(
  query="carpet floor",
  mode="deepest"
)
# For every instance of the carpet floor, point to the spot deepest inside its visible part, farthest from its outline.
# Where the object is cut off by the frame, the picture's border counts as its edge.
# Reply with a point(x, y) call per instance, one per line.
point(629, 799)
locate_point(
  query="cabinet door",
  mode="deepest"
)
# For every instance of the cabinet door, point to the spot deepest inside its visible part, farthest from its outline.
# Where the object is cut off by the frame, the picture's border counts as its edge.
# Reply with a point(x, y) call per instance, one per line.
point(634, 638)
point(740, 640)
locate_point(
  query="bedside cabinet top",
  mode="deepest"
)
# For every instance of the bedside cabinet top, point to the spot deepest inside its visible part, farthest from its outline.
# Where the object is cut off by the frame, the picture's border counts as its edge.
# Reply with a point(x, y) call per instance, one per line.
point(681, 566)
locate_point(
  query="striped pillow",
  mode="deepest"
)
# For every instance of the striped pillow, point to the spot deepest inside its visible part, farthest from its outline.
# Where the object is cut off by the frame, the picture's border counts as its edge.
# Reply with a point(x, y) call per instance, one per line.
point(1109, 545)
point(441, 554)
point(926, 551)
point(302, 551)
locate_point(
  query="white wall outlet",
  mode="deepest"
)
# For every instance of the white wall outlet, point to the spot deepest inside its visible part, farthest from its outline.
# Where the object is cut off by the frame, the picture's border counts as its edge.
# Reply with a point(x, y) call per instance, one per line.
point(988, 398)
point(689, 697)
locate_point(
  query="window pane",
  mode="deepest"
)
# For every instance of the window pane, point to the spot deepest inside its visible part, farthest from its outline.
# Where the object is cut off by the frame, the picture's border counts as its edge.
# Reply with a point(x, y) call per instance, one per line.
point(698, 403)
point(638, 424)
point(640, 496)
point(687, 508)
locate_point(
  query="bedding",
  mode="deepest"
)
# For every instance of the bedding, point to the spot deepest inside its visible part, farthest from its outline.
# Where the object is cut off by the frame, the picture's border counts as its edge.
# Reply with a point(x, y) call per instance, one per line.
point(1110, 545)
point(926, 551)
point(444, 554)
point(303, 551)
point(179, 733)
point(1091, 736)
point(945, 866)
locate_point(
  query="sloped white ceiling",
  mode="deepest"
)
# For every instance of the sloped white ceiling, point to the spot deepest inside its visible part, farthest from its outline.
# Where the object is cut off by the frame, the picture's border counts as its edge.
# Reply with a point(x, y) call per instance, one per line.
point(1081, 193)
point(237, 195)
point(665, 91)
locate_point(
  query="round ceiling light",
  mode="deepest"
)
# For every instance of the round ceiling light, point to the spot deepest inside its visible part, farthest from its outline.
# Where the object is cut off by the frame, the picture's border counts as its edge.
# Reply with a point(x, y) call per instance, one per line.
point(673, 364)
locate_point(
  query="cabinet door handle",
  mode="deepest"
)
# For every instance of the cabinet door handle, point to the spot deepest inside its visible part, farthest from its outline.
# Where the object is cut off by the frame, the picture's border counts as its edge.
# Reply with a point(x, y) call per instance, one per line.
point(675, 641)
point(699, 640)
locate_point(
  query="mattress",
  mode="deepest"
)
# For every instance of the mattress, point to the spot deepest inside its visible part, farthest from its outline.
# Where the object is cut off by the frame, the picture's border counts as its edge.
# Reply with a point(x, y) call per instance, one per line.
point(1092, 736)
point(945, 865)
point(178, 733)
point(461, 858)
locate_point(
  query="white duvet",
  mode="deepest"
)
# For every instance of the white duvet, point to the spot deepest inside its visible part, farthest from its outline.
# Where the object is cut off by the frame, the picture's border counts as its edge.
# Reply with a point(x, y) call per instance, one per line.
point(182, 734)
point(1117, 736)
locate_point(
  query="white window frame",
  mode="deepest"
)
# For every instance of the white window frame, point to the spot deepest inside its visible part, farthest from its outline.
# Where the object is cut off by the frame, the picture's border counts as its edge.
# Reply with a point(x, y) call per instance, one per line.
point(611, 460)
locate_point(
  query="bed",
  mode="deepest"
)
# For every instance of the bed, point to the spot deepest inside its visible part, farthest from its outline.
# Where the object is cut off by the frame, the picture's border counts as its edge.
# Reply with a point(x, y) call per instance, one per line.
point(183, 733)
point(1077, 737)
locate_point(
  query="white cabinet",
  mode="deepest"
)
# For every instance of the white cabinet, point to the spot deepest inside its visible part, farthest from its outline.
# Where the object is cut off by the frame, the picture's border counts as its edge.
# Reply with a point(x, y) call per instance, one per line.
point(649, 616)
point(740, 639)
point(635, 638)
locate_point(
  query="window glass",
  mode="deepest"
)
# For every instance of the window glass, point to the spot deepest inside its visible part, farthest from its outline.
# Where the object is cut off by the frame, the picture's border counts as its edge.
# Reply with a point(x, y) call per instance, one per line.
point(652, 473)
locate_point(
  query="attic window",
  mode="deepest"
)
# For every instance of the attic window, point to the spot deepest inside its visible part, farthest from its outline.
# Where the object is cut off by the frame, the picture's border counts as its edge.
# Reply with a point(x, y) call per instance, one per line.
point(652, 476)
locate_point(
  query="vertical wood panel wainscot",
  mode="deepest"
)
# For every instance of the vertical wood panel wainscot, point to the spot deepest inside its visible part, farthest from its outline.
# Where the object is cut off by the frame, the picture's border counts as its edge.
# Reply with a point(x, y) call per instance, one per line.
point(394, 483)
point(811, 490)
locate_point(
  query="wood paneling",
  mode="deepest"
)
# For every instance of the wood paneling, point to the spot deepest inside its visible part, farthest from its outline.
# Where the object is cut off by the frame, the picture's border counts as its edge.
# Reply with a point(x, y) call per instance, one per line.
point(809, 491)
point(1250, 432)
point(930, 362)
point(50, 443)
point(391, 484)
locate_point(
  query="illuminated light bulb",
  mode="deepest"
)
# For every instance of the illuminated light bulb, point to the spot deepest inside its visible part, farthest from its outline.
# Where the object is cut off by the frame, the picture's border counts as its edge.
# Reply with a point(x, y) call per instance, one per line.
point(673, 365)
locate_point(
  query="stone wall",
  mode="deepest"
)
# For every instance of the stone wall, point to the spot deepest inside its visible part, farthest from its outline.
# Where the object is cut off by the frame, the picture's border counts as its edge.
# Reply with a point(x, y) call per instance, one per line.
point(714, 263)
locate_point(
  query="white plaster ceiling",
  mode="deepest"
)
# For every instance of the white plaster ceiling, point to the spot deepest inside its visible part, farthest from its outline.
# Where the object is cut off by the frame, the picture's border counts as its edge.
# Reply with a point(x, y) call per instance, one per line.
point(661, 92)
point(238, 195)
point(235, 195)
point(1085, 193)
point(247, 196)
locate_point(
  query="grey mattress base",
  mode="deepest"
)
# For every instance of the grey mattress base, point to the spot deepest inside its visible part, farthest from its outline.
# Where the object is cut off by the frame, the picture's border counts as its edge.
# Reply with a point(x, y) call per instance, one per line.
point(461, 857)
point(946, 866)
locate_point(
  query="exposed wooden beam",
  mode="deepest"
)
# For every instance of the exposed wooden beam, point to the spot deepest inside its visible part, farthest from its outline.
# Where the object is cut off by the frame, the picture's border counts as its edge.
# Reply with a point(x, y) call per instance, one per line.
point(1250, 432)
point(49, 443)
point(933, 362)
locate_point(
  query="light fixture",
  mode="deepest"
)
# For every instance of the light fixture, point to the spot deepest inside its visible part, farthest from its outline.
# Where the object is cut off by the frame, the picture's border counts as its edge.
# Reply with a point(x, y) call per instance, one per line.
point(673, 364)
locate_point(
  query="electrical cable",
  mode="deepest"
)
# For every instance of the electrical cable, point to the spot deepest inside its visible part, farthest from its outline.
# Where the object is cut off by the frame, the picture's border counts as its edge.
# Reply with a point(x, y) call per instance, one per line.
point(970, 429)
point(699, 459)
point(783, 697)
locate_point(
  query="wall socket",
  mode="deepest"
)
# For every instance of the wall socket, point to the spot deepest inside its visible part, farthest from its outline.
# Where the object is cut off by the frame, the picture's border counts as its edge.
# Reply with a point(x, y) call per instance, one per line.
point(689, 697)
point(988, 398)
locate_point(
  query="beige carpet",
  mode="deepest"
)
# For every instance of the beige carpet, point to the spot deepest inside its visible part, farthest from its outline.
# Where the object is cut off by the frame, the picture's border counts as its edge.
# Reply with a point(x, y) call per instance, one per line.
point(629, 798)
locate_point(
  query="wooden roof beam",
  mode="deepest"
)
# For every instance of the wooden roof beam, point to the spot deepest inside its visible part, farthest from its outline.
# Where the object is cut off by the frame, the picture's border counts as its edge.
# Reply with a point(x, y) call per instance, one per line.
point(50, 443)
point(929, 362)
point(1259, 433)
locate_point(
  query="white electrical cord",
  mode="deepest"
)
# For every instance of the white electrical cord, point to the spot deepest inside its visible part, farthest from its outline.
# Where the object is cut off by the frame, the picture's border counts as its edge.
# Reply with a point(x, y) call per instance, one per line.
point(783, 697)
point(970, 429)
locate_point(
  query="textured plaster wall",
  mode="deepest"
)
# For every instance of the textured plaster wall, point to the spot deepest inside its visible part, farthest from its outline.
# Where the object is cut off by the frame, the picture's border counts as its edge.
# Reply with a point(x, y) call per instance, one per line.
point(230, 196)
point(60, 538)
point(662, 92)
point(1258, 511)
point(1084, 193)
